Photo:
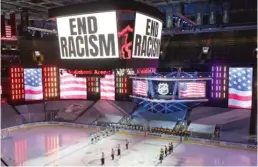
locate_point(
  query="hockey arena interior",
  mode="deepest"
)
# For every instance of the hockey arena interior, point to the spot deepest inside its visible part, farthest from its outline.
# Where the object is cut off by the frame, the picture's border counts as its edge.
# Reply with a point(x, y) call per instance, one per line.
point(129, 83)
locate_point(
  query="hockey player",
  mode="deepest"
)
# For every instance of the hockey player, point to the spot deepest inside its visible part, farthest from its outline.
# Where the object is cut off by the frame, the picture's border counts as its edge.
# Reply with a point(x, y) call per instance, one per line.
point(95, 138)
point(166, 151)
point(92, 139)
point(161, 156)
point(118, 150)
point(169, 148)
point(172, 147)
point(112, 154)
point(126, 144)
point(106, 132)
point(102, 158)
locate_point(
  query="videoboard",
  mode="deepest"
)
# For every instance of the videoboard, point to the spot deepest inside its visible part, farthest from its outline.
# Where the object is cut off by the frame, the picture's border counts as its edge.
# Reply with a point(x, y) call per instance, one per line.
point(88, 36)
point(168, 90)
point(96, 36)
point(52, 83)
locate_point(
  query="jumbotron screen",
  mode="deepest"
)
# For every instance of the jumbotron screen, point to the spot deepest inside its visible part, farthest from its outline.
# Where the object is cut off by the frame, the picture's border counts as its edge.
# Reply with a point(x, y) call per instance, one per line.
point(167, 90)
point(88, 36)
point(72, 87)
point(96, 36)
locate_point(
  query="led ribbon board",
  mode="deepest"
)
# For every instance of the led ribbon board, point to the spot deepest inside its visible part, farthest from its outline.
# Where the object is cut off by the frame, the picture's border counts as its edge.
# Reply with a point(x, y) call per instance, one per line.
point(147, 37)
point(88, 36)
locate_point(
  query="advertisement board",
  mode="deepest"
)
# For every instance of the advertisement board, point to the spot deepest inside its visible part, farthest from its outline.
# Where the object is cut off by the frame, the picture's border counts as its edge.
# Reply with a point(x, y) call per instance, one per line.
point(147, 37)
point(88, 36)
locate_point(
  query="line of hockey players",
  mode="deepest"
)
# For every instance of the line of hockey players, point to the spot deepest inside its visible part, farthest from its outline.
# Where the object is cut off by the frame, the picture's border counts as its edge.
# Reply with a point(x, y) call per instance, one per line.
point(166, 151)
point(163, 152)
point(94, 138)
point(118, 149)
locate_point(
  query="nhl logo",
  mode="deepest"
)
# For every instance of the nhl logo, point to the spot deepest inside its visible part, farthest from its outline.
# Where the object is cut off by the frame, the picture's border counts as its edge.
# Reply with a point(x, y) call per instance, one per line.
point(163, 88)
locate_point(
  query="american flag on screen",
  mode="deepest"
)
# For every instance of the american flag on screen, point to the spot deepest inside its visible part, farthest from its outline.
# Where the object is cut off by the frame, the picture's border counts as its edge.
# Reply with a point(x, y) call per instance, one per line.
point(33, 84)
point(140, 87)
point(8, 31)
point(192, 89)
point(72, 87)
point(107, 87)
point(240, 88)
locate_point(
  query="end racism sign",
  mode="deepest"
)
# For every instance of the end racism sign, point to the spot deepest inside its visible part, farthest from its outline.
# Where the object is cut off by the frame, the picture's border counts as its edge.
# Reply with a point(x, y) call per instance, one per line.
point(88, 36)
point(147, 37)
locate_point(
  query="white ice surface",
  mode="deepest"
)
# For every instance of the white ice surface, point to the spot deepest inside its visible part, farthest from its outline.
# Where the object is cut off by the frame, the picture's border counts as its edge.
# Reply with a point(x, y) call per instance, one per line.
point(58, 146)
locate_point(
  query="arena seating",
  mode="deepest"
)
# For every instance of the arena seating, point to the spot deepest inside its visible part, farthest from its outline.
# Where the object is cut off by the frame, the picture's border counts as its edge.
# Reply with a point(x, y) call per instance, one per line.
point(148, 115)
point(32, 112)
point(110, 113)
point(203, 112)
point(69, 110)
point(90, 116)
point(109, 119)
point(124, 106)
point(9, 117)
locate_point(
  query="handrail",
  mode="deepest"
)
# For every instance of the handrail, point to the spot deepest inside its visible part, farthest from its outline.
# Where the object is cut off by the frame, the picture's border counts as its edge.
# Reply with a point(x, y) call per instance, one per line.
point(85, 110)
point(117, 107)
point(3, 161)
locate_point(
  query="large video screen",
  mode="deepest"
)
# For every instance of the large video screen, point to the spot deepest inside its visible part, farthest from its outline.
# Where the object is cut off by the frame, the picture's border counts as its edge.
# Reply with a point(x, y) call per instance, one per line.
point(33, 84)
point(107, 87)
point(72, 87)
point(192, 90)
point(88, 36)
point(240, 87)
point(140, 87)
point(147, 37)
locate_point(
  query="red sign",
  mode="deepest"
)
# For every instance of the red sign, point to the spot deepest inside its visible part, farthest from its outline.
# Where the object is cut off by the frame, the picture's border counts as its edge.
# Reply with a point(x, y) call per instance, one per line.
point(145, 70)
point(90, 72)
point(125, 50)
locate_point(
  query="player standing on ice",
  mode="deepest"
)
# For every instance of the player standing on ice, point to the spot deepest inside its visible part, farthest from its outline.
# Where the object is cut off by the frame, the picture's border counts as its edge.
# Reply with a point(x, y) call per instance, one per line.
point(172, 147)
point(166, 151)
point(112, 154)
point(102, 158)
point(95, 138)
point(92, 139)
point(169, 148)
point(126, 144)
point(118, 150)
point(161, 156)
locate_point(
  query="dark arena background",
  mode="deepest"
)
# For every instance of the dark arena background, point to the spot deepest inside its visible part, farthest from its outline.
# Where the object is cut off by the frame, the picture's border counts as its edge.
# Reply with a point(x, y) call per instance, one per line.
point(82, 78)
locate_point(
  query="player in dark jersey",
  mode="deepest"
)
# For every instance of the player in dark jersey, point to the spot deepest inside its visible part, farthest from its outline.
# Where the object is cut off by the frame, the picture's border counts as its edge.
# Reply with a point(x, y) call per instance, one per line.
point(161, 156)
point(118, 150)
point(102, 158)
point(126, 144)
point(166, 151)
point(112, 154)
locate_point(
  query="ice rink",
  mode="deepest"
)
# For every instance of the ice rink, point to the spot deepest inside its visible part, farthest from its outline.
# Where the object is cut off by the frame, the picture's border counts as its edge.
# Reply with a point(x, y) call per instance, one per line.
point(62, 146)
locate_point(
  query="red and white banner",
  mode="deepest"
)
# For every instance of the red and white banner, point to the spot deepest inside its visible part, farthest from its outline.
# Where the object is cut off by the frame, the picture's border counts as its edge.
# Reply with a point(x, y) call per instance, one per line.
point(107, 87)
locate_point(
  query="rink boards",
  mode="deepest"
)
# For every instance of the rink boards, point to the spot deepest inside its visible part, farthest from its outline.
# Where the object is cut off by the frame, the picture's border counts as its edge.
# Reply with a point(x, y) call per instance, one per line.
point(205, 142)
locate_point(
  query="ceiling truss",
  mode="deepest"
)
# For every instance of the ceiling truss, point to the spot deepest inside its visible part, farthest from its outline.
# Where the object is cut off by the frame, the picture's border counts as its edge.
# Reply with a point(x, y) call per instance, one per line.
point(38, 8)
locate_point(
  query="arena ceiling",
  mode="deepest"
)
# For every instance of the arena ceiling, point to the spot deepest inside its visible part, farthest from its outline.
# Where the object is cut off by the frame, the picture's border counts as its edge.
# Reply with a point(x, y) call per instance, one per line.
point(38, 8)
